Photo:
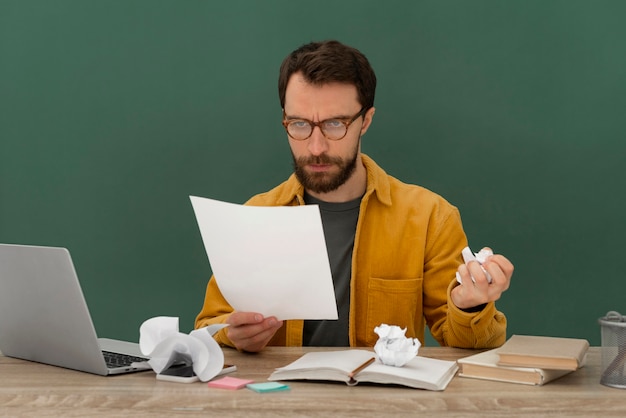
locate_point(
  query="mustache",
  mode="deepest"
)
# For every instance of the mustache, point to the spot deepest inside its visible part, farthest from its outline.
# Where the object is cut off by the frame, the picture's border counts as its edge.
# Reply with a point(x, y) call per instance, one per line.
point(320, 159)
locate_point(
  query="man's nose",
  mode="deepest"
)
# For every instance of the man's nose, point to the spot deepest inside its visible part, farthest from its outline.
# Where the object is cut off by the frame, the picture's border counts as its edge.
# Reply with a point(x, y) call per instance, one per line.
point(318, 144)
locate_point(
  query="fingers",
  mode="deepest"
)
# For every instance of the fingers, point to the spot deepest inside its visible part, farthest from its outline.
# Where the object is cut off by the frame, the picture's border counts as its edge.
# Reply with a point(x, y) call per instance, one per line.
point(480, 290)
point(244, 318)
point(467, 274)
point(482, 277)
point(250, 331)
point(503, 263)
point(501, 270)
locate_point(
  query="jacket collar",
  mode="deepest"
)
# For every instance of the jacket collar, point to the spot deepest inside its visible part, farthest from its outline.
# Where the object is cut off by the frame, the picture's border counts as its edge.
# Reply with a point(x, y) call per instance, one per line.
point(377, 184)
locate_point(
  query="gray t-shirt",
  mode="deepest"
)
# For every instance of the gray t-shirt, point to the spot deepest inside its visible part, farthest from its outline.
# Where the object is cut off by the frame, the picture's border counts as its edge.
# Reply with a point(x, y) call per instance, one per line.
point(339, 221)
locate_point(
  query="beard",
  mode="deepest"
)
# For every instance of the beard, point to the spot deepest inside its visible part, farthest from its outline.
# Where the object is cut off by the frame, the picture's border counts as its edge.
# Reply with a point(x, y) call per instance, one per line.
point(324, 182)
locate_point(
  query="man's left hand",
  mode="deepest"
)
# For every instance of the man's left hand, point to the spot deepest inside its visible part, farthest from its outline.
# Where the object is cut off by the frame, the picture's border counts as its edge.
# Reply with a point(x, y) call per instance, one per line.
point(479, 291)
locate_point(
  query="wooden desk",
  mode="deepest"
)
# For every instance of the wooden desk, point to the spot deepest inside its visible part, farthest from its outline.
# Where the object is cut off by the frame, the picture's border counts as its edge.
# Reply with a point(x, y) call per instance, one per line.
point(31, 389)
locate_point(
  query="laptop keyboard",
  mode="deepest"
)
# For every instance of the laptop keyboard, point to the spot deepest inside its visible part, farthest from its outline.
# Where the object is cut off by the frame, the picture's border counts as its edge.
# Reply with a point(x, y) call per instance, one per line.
point(114, 360)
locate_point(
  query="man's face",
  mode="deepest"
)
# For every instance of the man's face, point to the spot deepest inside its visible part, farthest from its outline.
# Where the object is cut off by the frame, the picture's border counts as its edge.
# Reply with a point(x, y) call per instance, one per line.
point(323, 165)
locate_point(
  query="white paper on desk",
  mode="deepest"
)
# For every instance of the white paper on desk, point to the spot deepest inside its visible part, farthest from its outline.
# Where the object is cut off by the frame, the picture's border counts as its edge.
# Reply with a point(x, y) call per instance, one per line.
point(271, 260)
point(160, 339)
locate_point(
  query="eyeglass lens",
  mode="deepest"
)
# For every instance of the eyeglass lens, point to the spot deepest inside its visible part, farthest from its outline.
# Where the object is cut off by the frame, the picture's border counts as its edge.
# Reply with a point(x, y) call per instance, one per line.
point(302, 129)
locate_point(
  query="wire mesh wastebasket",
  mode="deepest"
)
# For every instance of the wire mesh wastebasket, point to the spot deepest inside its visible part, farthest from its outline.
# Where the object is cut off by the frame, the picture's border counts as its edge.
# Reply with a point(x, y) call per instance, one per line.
point(613, 329)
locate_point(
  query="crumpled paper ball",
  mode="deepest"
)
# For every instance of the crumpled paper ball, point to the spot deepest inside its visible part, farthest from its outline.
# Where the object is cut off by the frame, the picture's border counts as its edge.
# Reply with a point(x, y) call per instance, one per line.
point(480, 256)
point(160, 339)
point(392, 347)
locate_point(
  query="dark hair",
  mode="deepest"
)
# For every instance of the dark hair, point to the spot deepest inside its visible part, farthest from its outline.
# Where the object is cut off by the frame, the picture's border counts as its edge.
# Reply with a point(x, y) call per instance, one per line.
point(327, 62)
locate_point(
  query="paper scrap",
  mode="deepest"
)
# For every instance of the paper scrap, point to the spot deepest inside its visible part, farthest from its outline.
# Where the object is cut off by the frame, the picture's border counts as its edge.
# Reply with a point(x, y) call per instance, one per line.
point(270, 260)
point(160, 339)
point(231, 383)
point(267, 387)
point(392, 347)
point(480, 257)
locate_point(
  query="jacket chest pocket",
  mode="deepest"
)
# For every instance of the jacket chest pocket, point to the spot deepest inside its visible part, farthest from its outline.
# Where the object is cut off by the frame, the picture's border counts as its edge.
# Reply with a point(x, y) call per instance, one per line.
point(393, 302)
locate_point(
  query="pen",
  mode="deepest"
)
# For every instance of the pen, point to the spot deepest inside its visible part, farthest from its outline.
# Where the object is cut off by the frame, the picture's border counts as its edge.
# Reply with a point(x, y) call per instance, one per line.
point(361, 367)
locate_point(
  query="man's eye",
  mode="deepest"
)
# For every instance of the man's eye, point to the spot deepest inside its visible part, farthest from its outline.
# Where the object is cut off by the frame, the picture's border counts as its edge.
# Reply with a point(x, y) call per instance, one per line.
point(333, 123)
point(299, 124)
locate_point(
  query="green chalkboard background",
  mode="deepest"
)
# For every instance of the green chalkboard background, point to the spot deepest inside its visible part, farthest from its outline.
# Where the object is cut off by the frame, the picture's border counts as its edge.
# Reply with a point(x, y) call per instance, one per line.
point(113, 112)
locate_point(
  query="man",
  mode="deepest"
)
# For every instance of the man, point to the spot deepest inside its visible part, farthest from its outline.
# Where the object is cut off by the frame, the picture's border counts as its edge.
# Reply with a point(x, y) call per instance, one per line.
point(393, 248)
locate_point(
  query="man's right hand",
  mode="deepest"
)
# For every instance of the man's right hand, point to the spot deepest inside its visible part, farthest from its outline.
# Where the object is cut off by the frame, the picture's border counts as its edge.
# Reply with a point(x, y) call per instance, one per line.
point(249, 331)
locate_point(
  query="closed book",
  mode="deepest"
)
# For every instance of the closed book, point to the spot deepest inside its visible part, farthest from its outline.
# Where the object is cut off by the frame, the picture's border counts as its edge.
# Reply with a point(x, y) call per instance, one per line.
point(347, 366)
point(485, 366)
point(543, 352)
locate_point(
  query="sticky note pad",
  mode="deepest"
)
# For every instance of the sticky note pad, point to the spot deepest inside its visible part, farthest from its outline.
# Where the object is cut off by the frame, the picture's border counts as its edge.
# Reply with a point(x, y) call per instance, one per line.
point(228, 382)
point(267, 387)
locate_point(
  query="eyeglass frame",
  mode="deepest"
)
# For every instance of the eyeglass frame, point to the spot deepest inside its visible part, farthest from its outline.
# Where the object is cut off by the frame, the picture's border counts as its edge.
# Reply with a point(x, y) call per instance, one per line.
point(312, 124)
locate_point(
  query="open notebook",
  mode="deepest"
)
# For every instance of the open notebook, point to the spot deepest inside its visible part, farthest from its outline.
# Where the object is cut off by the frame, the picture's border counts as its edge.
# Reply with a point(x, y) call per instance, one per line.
point(44, 316)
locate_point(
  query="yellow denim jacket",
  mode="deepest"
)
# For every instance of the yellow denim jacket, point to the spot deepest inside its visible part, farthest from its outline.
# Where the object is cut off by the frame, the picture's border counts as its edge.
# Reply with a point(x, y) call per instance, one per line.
point(406, 251)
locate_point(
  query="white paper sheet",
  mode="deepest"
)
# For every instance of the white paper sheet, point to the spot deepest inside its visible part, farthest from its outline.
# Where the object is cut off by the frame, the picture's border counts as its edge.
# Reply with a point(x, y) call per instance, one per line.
point(271, 260)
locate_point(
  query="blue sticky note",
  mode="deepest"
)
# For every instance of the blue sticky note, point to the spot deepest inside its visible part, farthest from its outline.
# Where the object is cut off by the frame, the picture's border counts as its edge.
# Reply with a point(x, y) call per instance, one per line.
point(267, 387)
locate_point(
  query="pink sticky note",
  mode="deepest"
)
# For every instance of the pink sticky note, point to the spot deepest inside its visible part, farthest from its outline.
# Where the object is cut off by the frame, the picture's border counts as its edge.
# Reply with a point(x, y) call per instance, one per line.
point(228, 382)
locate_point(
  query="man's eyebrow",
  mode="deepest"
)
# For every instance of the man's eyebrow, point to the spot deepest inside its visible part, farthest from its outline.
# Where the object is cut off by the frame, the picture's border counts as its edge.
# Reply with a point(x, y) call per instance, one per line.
point(340, 117)
point(289, 117)
point(292, 117)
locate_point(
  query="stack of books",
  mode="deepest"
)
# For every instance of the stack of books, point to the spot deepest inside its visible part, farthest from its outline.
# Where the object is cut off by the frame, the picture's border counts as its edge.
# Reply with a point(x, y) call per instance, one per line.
point(527, 359)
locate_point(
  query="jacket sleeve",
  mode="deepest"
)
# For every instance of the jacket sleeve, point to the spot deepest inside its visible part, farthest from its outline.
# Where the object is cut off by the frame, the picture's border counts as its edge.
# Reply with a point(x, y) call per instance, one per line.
point(483, 329)
point(215, 311)
point(448, 324)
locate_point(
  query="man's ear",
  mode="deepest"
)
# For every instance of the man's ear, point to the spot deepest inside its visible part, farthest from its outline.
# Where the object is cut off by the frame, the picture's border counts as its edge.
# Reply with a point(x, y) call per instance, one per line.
point(367, 119)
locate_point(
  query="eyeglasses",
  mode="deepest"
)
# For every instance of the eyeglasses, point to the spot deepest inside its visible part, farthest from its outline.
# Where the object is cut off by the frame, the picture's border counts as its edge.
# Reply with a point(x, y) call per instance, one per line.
point(333, 129)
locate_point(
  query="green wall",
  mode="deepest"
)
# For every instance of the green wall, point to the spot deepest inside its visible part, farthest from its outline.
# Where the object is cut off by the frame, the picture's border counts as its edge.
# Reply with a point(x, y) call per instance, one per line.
point(113, 112)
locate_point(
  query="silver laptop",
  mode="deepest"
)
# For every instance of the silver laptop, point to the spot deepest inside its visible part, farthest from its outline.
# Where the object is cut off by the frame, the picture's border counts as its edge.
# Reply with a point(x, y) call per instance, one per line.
point(44, 316)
